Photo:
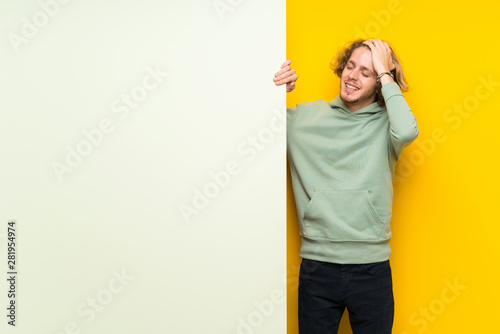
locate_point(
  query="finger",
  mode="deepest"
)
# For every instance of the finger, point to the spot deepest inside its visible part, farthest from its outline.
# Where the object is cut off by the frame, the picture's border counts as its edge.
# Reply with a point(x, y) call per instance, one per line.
point(388, 50)
point(391, 56)
point(282, 81)
point(368, 43)
point(286, 63)
point(282, 77)
point(286, 80)
point(372, 44)
point(283, 70)
point(378, 43)
point(285, 75)
point(284, 67)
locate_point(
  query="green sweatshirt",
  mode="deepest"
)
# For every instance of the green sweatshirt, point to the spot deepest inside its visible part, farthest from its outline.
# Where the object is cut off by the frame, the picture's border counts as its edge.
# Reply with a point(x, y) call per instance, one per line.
point(342, 166)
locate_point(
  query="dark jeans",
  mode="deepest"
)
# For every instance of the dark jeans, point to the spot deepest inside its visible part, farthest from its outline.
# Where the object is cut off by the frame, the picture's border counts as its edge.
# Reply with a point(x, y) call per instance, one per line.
point(326, 289)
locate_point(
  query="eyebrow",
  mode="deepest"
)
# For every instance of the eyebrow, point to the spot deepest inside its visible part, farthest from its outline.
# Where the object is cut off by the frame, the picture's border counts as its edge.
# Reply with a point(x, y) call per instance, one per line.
point(363, 68)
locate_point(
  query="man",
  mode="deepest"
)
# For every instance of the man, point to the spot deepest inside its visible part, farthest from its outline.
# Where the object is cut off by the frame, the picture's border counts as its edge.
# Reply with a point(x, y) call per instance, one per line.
point(342, 155)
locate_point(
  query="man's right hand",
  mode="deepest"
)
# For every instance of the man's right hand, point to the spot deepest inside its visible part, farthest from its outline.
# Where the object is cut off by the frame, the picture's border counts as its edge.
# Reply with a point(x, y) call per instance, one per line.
point(286, 75)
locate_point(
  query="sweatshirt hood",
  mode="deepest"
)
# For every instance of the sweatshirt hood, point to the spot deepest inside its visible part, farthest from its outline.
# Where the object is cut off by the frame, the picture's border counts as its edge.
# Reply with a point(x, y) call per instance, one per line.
point(340, 106)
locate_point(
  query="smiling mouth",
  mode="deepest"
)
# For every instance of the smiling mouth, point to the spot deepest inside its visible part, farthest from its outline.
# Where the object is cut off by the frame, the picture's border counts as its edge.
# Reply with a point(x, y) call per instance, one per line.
point(351, 87)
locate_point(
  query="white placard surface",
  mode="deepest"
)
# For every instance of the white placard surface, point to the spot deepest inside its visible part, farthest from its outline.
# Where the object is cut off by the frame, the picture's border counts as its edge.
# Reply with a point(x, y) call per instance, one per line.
point(143, 167)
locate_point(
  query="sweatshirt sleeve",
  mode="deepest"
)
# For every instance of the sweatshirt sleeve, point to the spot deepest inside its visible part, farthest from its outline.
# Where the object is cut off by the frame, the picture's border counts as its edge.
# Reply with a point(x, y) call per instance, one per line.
point(403, 127)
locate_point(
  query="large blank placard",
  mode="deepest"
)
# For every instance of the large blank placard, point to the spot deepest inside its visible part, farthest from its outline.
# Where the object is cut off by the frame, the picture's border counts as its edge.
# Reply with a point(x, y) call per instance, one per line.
point(143, 167)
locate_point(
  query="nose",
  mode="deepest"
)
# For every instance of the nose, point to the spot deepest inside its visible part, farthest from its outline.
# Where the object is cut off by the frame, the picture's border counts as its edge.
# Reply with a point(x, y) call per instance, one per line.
point(353, 74)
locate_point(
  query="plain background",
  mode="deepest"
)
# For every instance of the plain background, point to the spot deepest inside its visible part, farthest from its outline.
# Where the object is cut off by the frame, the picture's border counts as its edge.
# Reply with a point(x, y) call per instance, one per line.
point(118, 212)
point(445, 215)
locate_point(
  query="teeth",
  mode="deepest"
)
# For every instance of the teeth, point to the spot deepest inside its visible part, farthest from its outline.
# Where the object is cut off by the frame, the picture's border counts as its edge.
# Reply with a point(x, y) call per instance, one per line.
point(351, 87)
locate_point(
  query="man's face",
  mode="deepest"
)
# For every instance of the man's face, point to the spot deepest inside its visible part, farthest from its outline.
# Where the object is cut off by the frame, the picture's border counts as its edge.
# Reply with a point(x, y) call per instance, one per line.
point(358, 84)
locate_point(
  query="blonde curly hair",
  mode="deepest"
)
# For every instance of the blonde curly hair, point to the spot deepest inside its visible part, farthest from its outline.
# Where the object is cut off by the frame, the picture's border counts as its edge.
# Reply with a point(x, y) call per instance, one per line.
point(339, 62)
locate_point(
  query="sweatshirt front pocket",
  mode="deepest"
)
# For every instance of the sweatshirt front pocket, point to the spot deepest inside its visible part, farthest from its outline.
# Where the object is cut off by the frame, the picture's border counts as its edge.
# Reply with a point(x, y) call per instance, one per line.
point(341, 215)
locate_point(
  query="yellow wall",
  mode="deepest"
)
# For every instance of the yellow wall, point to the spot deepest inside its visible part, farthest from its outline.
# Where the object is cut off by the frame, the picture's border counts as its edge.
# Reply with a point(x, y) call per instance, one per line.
point(445, 217)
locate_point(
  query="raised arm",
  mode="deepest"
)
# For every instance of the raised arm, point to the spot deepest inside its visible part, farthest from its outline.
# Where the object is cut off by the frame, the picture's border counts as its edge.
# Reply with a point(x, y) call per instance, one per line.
point(403, 124)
